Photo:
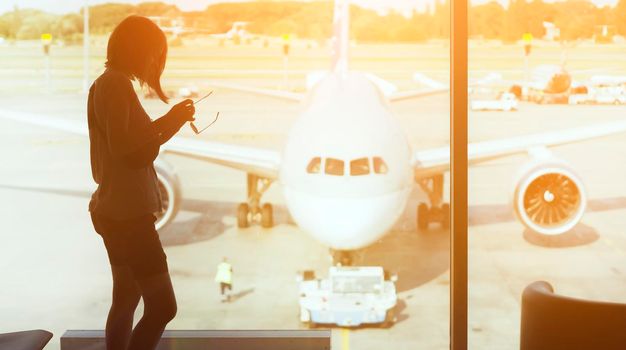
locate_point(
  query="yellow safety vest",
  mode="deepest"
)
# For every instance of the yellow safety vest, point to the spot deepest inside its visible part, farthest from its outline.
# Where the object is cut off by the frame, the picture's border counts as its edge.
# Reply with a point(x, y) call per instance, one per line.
point(224, 273)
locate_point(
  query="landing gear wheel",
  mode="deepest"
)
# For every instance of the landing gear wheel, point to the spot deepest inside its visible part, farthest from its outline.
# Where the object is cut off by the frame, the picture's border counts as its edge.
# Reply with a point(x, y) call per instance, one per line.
point(345, 259)
point(242, 215)
point(422, 217)
point(342, 257)
point(267, 216)
point(305, 319)
point(445, 216)
point(309, 325)
point(390, 319)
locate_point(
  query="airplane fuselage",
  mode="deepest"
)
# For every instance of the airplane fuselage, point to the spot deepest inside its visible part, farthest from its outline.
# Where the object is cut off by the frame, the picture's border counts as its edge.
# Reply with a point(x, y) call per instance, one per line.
point(346, 170)
point(551, 79)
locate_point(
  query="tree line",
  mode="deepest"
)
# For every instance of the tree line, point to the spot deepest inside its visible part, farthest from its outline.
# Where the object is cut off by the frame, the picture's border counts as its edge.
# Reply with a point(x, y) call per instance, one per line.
point(313, 20)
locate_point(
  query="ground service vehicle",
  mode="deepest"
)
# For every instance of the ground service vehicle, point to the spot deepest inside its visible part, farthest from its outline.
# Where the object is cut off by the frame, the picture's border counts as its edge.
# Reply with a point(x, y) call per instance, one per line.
point(349, 297)
point(506, 102)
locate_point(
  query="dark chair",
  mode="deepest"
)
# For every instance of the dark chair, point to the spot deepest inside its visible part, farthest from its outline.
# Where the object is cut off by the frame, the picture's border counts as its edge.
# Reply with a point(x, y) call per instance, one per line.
point(26, 340)
point(554, 322)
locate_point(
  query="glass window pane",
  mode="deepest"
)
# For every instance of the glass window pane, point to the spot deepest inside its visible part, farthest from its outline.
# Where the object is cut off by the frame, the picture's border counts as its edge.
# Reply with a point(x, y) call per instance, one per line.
point(360, 166)
point(261, 224)
point(334, 166)
point(314, 165)
point(545, 199)
point(380, 167)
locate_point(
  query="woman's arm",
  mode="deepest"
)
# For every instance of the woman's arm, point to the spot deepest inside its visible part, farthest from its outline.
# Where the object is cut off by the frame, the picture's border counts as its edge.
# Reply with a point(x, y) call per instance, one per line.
point(163, 129)
point(139, 148)
point(167, 128)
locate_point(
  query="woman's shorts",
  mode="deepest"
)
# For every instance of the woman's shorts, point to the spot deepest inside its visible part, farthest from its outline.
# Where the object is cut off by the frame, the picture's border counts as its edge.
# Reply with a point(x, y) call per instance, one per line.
point(134, 243)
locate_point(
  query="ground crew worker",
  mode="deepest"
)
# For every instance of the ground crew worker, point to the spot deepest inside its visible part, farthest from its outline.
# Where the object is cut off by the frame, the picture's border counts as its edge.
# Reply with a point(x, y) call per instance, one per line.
point(224, 276)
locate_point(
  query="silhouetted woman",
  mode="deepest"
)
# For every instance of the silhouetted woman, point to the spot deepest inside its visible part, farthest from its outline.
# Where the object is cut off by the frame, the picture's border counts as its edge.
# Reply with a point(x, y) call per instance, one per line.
point(124, 142)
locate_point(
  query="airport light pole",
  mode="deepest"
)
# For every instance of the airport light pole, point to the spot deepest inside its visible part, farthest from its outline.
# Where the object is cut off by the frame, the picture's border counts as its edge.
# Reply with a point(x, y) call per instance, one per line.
point(86, 47)
point(286, 47)
point(528, 39)
point(458, 174)
point(46, 41)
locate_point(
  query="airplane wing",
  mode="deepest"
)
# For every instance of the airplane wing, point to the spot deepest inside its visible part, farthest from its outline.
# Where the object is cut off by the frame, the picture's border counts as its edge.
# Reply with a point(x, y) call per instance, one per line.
point(437, 160)
point(434, 87)
point(253, 160)
point(280, 94)
point(74, 127)
point(406, 95)
point(265, 163)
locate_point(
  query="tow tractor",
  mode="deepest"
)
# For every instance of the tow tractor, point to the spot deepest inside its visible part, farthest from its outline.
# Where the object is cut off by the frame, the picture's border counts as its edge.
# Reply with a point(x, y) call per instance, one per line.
point(349, 297)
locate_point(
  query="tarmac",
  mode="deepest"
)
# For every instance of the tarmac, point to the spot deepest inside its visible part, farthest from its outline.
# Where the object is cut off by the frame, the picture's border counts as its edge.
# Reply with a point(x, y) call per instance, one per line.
point(56, 274)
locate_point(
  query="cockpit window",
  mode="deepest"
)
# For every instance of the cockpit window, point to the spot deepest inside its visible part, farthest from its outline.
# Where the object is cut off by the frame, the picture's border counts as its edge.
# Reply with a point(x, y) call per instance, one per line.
point(360, 166)
point(334, 166)
point(380, 167)
point(314, 166)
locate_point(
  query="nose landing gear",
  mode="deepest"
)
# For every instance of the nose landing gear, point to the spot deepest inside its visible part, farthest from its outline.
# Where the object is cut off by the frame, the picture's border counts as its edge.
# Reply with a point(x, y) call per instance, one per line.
point(345, 257)
point(252, 210)
point(426, 215)
point(438, 211)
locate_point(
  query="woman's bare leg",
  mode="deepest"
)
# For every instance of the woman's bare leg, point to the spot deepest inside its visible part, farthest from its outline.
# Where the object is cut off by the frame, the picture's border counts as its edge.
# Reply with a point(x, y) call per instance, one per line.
point(159, 308)
point(125, 299)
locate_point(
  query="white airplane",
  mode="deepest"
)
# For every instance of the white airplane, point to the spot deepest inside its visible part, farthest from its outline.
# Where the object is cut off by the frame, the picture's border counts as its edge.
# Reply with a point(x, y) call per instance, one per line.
point(547, 83)
point(169, 25)
point(347, 169)
point(238, 33)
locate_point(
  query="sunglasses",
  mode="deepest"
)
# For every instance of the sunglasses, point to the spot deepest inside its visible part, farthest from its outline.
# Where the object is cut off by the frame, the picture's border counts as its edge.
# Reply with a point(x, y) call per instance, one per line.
point(192, 125)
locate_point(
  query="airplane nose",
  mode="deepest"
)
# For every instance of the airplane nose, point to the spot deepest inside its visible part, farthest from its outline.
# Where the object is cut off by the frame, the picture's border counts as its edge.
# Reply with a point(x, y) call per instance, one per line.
point(346, 223)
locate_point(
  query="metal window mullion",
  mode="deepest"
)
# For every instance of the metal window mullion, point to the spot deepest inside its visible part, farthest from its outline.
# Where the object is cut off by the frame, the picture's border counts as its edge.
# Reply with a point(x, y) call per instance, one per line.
point(458, 176)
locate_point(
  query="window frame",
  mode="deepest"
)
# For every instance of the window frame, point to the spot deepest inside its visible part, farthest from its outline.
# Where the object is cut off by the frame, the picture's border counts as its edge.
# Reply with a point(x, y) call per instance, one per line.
point(458, 175)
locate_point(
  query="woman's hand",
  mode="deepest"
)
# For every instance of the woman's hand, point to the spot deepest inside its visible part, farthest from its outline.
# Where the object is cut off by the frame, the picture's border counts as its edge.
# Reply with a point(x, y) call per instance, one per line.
point(183, 111)
point(172, 121)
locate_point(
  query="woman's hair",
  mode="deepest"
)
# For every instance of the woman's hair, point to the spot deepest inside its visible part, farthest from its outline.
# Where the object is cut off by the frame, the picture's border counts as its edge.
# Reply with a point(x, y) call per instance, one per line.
point(138, 47)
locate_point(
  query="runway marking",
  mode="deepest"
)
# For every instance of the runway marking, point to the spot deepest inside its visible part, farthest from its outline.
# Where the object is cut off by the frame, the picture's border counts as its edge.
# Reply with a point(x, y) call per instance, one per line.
point(345, 339)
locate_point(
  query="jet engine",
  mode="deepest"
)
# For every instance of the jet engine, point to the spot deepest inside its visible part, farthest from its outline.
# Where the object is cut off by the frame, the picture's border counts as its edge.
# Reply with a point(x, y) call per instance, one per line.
point(169, 186)
point(549, 198)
